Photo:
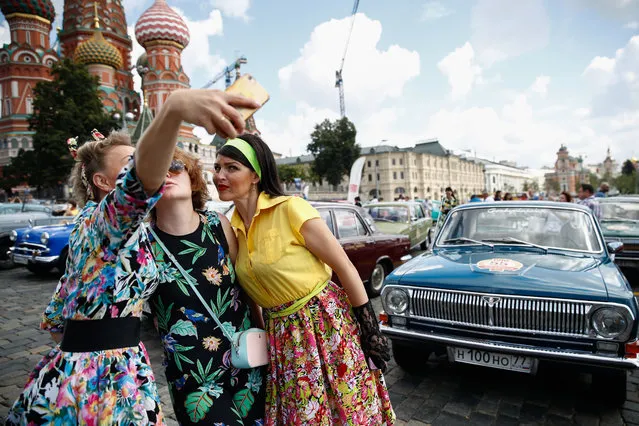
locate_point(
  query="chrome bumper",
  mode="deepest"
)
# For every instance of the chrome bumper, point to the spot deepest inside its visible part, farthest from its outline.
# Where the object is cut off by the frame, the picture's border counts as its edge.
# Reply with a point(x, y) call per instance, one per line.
point(542, 353)
point(23, 259)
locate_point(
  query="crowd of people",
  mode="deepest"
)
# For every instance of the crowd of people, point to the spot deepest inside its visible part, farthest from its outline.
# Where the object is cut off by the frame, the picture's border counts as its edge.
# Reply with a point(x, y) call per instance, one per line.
point(144, 238)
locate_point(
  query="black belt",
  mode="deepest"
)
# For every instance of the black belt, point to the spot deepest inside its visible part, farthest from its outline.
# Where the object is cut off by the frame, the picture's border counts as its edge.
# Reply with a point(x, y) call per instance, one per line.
point(100, 335)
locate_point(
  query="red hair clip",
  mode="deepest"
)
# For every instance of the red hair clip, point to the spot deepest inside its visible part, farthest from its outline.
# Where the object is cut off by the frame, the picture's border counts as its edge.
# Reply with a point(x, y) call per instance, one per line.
point(72, 144)
point(97, 135)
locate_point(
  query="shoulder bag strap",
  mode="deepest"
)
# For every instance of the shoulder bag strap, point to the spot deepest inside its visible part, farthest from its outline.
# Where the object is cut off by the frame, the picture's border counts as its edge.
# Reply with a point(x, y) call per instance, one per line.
point(189, 279)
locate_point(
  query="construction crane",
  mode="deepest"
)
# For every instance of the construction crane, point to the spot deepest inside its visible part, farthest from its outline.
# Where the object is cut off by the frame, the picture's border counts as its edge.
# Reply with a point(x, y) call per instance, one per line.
point(339, 81)
point(227, 73)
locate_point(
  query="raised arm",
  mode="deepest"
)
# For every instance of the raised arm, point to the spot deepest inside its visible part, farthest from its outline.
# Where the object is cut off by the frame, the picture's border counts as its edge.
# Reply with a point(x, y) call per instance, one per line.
point(211, 109)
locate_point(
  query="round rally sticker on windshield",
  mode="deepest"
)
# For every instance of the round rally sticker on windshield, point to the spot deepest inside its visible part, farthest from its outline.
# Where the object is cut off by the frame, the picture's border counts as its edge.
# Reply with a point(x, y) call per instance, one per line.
point(500, 265)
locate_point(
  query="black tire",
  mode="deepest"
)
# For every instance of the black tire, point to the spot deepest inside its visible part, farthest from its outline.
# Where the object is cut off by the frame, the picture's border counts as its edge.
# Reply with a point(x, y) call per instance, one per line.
point(611, 386)
point(376, 280)
point(39, 270)
point(62, 260)
point(5, 259)
point(411, 358)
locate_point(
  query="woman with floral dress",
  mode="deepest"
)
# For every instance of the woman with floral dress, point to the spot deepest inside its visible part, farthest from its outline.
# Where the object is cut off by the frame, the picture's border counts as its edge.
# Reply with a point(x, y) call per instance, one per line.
point(100, 374)
point(326, 352)
point(205, 388)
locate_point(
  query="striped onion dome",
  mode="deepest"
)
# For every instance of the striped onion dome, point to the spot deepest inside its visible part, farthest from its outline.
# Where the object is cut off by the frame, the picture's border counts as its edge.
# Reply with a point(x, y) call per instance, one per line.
point(42, 8)
point(161, 23)
point(97, 50)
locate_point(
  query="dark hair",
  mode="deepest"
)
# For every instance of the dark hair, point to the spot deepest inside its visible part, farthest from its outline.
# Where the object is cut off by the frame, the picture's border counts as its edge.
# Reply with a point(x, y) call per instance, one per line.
point(448, 188)
point(498, 192)
point(567, 195)
point(270, 181)
point(508, 196)
point(587, 187)
point(73, 203)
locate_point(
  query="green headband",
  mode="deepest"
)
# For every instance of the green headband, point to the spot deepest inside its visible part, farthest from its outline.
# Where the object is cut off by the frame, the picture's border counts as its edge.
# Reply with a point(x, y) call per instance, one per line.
point(247, 150)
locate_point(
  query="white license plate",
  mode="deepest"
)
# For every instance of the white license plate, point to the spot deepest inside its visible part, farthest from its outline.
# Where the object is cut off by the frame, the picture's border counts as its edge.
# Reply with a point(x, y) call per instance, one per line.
point(491, 359)
point(20, 260)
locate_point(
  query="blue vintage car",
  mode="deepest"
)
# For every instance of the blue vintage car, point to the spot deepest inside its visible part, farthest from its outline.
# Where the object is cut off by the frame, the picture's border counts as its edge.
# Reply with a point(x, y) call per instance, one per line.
point(514, 285)
point(42, 248)
point(620, 222)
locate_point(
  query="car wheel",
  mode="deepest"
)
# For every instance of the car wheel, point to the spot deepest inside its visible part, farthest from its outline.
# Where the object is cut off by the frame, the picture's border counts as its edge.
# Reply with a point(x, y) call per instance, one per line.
point(376, 280)
point(5, 260)
point(611, 386)
point(410, 358)
point(62, 260)
point(39, 270)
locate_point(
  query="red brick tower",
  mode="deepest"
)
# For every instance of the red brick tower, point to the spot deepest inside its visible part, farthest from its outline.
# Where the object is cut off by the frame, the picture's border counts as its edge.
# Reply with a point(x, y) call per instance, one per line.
point(78, 26)
point(23, 63)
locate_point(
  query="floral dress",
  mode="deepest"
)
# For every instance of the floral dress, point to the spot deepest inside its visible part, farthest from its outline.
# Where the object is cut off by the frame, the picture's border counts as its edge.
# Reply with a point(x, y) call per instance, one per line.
point(110, 273)
point(204, 386)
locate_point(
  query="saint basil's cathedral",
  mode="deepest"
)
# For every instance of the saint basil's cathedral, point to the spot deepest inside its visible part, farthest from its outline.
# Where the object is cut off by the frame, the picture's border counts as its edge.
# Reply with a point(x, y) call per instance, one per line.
point(93, 33)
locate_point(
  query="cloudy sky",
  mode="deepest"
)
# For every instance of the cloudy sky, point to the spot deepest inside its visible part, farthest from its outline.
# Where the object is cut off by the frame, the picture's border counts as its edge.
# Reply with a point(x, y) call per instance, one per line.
point(507, 79)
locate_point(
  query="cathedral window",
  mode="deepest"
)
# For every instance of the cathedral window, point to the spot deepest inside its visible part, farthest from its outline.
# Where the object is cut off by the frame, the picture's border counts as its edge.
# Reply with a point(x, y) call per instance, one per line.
point(42, 40)
point(166, 62)
point(29, 106)
point(28, 35)
point(7, 107)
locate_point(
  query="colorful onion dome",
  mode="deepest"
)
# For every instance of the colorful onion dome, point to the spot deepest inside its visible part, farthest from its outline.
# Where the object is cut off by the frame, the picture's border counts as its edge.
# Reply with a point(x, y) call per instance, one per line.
point(42, 8)
point(161, 23)
point(97, 50)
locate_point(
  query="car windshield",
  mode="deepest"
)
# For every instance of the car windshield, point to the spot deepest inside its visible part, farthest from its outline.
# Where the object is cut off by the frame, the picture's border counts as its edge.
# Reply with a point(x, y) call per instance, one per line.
point(625, 211)
point(541, 227)
point(397, 214)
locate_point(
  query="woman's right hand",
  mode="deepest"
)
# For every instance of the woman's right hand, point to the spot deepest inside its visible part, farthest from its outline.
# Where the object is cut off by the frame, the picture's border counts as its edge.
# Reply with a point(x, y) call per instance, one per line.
point(212, 109)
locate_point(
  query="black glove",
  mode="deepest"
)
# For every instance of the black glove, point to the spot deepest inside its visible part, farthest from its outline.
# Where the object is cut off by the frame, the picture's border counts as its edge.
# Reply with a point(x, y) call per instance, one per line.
point(374, 344)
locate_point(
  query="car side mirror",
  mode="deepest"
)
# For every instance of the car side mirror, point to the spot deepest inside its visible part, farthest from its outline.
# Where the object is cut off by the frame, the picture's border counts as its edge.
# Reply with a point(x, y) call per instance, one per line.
point(614, 246)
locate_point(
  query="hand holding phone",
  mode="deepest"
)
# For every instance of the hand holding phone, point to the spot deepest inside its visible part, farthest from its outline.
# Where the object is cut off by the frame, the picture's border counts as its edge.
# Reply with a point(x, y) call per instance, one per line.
point(248, 87)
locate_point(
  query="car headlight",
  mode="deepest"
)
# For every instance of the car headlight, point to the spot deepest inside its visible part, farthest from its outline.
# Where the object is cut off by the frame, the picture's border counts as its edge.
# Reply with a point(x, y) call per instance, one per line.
point(44, 238)
point(13, 236)
point(609, 323)
point(396, 301)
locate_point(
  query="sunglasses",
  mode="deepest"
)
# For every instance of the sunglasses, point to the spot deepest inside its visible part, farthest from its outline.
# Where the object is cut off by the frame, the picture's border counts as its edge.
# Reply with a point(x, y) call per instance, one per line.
point(176, 167)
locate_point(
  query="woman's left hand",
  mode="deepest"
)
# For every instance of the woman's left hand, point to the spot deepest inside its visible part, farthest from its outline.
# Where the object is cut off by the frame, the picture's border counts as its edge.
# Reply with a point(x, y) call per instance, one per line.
point(374, 343)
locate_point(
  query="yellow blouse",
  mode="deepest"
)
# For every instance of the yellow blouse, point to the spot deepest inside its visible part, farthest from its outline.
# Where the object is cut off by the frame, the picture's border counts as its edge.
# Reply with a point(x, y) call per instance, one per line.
point(273, 264)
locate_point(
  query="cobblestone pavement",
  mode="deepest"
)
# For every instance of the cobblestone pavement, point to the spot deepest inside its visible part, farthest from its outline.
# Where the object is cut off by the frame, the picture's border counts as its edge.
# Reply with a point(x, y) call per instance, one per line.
point(444, 394)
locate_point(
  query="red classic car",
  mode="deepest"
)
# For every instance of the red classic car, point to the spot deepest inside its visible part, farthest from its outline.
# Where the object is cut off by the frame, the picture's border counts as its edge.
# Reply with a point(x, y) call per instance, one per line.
point(374, 254)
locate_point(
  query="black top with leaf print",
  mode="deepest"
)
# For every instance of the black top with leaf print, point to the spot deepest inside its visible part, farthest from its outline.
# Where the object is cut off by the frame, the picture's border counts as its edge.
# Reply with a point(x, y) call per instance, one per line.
point(205, 387)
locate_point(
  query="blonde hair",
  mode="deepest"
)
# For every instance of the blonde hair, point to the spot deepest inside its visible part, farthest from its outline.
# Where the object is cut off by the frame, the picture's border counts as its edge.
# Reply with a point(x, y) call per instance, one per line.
point(89, 161)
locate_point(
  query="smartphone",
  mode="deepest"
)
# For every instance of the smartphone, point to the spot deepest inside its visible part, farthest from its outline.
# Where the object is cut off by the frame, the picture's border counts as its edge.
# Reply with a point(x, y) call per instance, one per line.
point(248, 87)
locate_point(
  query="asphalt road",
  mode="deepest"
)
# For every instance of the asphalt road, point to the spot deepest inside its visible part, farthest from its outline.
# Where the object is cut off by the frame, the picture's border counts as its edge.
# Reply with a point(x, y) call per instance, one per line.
point(441, 394)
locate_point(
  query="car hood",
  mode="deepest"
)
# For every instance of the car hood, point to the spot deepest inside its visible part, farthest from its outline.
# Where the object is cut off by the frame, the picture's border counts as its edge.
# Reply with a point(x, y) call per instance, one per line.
point(620, 229)
point(519, 273)
point(34, 234)
point(392, 227)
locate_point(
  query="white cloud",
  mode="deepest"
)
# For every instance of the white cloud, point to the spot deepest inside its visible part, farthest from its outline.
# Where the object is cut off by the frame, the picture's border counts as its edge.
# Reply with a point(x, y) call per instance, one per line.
point(504, 28)
point(370, 75)
point(292, 134)
point(462, 71)
point(233, 8)
point(633, 25)
point(540, 86)
point(612, 9)
point(435, 10)
point(5, 34)
point(615, 81)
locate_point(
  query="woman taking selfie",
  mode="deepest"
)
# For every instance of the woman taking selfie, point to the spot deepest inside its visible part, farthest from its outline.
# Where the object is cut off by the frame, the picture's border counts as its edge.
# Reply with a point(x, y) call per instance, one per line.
point(100, 372)
point(196, 351)
point(325, 346)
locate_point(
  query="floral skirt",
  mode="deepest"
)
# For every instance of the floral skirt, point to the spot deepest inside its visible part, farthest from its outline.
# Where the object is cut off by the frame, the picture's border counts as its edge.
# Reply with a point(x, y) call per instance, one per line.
point(113, 387)
point(318, 374)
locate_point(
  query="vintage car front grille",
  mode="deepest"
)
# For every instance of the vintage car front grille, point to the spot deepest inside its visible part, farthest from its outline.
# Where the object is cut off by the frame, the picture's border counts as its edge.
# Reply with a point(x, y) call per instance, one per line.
point(506, 313)
point(630, 244)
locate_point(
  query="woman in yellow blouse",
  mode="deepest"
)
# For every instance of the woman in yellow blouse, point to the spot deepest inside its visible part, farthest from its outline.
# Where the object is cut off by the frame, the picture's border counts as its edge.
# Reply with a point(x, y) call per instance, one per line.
point(325, 348)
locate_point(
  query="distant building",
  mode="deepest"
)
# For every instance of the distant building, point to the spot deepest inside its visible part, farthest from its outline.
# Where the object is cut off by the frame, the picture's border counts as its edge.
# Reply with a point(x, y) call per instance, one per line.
point(608, 168)
point(422, 171)
point(505, 176)
point(568, 173)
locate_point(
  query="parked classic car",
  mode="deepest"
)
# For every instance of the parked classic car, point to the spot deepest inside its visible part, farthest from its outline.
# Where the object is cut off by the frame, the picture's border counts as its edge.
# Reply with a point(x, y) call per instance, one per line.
point(374, 254)
point(42, 248)
point(436, 209)
point(620, 222)
point(404, 217)
point(512, 286)
point(16, 215)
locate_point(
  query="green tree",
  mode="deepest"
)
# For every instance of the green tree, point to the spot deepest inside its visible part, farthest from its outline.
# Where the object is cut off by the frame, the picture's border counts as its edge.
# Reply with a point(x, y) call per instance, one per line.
point(289, 172)
point(552, 185)
point(593, 179)
point(335, 149)
point(626, 183)
point(628, 168)
point(15, 174)
point(67, 106)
